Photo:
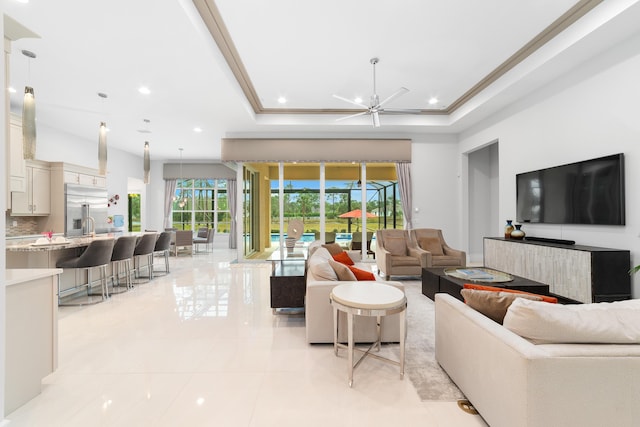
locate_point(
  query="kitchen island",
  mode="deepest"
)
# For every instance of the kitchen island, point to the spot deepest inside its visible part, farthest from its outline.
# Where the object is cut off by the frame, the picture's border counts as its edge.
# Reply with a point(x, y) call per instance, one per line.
point(29, 253)
point(31, 332)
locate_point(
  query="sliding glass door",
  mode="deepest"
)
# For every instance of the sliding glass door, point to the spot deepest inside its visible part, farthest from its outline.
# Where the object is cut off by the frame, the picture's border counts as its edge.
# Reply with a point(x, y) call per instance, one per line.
point(324, 197)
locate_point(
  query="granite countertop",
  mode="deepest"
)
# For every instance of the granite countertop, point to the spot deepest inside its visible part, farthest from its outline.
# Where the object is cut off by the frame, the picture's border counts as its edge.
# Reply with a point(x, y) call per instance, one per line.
point(16, 276)
point(31, 243)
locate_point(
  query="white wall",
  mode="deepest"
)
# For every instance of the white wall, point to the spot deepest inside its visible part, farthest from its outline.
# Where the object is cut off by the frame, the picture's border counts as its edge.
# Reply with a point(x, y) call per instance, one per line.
point(592, 112)
point(153, 214)
point(435, 173)
point(3, 208)
point(56, 146)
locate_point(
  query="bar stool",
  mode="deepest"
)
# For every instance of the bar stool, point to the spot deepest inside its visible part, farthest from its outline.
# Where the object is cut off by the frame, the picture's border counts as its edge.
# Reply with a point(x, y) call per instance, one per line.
point(122, 254)
point(97, 254)
point(163, 244)
point(145, 247)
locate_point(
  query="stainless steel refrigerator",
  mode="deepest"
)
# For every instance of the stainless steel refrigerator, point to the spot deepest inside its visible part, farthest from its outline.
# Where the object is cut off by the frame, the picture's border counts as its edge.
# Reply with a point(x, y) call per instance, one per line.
point(85, 210)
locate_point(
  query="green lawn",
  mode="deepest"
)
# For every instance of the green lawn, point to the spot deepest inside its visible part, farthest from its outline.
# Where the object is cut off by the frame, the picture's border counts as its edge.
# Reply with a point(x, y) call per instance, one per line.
point(311, 225)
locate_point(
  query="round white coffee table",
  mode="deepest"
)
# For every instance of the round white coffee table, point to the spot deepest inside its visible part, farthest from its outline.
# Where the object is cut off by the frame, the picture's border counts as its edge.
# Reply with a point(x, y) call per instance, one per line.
point(367, 299)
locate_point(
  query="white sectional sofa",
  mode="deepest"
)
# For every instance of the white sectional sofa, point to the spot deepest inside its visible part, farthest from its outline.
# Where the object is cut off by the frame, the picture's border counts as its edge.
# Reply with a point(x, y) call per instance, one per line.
point(513, 382)
point(319, 312)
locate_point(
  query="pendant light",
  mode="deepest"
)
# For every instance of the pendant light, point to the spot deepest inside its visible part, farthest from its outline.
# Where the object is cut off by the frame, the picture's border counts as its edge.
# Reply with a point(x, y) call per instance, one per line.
point(147, 162)
point(102, 143)
point(29, 115)
point(182, 201)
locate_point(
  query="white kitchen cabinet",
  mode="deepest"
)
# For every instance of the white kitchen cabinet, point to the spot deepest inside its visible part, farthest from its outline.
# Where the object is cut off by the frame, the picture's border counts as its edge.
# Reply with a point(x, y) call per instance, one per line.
point(73, 177)
point(17, 176)
point(93, 180)
point(36, 201)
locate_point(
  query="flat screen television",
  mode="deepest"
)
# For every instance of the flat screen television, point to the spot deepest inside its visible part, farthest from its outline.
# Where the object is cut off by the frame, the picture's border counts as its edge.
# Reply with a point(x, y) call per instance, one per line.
point(586, 192)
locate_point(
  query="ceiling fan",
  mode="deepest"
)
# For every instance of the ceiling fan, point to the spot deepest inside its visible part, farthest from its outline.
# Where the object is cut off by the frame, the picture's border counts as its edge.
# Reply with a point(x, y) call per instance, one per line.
point(375, 107)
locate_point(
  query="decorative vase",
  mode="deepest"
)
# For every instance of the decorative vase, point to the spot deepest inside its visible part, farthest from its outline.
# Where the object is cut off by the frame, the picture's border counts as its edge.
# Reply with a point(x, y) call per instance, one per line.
point(517, 234)
point(508, 229)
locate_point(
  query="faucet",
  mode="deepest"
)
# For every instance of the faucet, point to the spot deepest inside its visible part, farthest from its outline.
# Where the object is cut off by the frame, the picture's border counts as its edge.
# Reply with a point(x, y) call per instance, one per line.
point(93, 225)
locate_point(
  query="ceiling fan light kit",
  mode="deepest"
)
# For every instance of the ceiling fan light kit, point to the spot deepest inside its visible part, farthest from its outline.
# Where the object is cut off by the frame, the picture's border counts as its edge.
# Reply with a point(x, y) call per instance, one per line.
point(374, 109)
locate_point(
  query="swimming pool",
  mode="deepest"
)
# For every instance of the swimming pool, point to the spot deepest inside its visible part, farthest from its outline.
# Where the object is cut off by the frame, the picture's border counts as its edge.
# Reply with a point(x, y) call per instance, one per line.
point(310, 237)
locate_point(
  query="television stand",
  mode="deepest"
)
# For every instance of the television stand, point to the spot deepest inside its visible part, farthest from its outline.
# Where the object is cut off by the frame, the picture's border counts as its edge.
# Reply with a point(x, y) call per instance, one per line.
point(582, 273)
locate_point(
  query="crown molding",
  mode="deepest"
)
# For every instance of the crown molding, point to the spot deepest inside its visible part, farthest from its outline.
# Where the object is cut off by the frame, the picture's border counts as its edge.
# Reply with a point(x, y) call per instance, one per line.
point(215, 24)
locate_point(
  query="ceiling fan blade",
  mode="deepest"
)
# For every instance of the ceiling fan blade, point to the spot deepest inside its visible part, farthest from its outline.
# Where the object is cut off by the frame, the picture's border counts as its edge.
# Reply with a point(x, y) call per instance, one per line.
point(400, 111)
point(351, 116)
point(376, 119)
point(399, 92)
point(342, 98)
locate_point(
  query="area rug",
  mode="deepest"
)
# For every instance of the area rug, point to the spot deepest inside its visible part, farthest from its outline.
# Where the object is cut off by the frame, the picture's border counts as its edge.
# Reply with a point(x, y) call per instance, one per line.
point(429, 379)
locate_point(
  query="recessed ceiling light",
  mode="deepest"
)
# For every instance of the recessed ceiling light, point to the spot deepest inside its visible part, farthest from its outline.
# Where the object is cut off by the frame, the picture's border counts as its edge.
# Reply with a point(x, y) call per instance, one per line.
point(282, 100)
point(144, 90)
point(433, 100)
point(11, 89)
point(197, 129)
point(358, 100)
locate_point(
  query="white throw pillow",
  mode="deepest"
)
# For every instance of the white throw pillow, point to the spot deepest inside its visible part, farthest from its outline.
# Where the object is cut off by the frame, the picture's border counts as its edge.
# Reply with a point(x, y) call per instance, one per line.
point(313, 246)
point(319, 265)
point(606, 322)
point(323, 271)
point(321, 253)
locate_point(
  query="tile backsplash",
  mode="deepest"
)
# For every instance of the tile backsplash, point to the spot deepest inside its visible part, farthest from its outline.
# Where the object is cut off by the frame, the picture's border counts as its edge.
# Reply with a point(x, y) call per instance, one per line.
point(25, 225)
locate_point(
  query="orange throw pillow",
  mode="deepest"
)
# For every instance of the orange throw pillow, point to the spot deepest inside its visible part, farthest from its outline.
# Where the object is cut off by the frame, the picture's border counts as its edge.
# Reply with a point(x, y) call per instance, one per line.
point(362, 274)
point(545, 298)
point(343, 257)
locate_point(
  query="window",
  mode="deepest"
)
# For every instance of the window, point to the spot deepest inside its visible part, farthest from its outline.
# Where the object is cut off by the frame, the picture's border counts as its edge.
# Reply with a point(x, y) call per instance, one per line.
point(201, 203)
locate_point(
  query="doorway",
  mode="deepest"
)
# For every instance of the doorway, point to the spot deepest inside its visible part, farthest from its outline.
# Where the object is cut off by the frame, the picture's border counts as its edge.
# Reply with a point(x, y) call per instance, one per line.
point(483, 194)
point(135, 217)
point(251, 211)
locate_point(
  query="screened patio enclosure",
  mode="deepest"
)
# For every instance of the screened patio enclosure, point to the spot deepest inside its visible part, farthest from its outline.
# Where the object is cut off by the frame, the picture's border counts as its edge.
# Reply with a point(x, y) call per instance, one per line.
point(316, 194)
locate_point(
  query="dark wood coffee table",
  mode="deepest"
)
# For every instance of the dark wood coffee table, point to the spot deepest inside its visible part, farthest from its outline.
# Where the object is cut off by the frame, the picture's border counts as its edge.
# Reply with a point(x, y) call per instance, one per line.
point(435, 280)
point(288, 284)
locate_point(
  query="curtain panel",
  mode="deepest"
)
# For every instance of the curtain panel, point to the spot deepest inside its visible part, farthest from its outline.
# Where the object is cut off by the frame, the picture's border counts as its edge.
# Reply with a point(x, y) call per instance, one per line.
point(169, 192)
point(231, 194)
point(403, 171)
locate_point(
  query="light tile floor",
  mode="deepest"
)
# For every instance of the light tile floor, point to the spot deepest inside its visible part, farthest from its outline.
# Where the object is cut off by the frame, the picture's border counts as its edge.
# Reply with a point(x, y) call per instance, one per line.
point(201, 347)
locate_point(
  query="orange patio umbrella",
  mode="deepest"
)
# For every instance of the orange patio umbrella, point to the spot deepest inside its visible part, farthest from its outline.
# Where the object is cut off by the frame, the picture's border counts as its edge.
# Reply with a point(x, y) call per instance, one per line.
point(356, 213)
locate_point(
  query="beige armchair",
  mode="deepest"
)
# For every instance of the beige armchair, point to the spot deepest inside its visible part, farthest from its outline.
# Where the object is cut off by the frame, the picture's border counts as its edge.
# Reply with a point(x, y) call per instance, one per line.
point(184, 239)
point(396, 256)
point(439, 254)
point(329, 236)
point(356, 241)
